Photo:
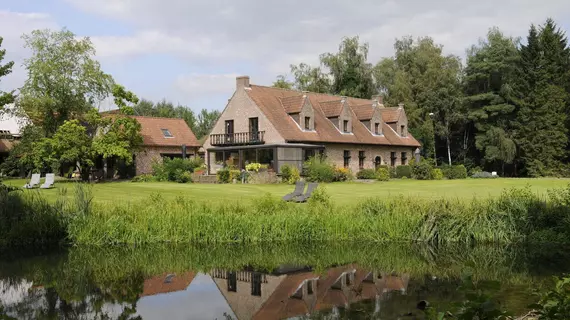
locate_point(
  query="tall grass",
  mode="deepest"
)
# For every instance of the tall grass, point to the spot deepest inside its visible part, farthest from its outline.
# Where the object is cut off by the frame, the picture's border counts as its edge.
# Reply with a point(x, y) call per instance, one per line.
point(517, 215)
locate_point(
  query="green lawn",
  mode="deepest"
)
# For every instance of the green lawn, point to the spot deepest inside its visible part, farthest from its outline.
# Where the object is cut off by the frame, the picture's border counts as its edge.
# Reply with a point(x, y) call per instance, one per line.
point(340, 192)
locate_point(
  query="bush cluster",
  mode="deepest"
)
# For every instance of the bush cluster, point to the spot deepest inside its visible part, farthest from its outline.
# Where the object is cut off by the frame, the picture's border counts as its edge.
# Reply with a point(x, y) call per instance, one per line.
point(318, 169)
point(422, 171)
point(382, 174)
point(176, 169)
point(436, 174)
point(366, 174)
point(290, 174)
point(403, 171)
point(454, 172)
point(483, 175)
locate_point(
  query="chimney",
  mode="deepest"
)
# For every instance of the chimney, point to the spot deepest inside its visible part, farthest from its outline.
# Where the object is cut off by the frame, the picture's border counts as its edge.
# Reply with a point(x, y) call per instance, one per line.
point(343, 99)
point(242, 82)
point(378, 98)
point(400, 105)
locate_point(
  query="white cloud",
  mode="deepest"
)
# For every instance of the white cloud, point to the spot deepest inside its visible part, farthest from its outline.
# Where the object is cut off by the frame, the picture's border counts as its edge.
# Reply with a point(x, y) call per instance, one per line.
point(194, 85)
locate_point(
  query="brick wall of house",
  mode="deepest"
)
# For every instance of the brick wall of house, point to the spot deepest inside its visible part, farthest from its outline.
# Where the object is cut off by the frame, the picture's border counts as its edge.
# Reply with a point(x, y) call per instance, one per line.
point(149, 155)
point(335, 154)
point(240, 108)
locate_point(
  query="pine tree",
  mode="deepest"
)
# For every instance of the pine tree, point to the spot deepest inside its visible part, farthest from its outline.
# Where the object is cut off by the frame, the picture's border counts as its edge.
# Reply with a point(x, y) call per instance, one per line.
point(541, 122)
point(5, 97)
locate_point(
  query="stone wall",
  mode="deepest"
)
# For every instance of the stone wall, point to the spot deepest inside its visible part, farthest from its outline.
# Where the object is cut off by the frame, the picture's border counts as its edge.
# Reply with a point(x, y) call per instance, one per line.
point(335, 154)
point(149, 155)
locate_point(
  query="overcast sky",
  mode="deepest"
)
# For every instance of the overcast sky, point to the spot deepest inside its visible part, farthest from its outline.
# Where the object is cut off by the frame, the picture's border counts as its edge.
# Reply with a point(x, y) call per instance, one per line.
point(190, 51)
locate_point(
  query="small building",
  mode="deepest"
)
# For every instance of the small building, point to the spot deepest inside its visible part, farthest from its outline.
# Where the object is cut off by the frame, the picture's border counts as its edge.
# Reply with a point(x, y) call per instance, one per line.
point(163, 137)
point(277, 126)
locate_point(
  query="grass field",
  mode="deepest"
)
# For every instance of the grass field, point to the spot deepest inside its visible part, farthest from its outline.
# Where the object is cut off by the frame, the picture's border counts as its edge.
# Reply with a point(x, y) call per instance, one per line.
point(341, 193)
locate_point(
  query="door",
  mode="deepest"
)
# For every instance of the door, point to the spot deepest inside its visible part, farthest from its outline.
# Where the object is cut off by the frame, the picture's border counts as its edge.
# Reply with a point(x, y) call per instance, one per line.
point(229, 130)
point(254, 129)
point(377, 162)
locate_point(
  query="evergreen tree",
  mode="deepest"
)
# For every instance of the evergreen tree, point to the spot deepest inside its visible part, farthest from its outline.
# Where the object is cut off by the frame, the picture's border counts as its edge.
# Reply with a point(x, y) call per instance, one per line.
point(491, 97)
point(542, 127)
point(5, 97)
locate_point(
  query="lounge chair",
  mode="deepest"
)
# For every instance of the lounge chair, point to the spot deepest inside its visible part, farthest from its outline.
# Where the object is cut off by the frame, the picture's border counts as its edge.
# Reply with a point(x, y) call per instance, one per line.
point(299, 188)
point(307, 195)
point(50, 180)
point(33, 182)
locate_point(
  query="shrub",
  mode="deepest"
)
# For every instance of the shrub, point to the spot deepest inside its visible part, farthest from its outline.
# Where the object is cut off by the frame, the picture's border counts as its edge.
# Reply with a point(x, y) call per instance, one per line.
point(183, 176)
point(455, 172)
point(391, 170)
point(555, 303)
point(483, 175)
point(403, 171)
point(366, 174)
point(382, 174)
point(235, 174)
point(144, 178)
point(436, 174)
point(290, 174)
point(317, 169)
point(342, 174)
point(422, 171)
point(255, 167)
point(169, 168)
point(223, 175)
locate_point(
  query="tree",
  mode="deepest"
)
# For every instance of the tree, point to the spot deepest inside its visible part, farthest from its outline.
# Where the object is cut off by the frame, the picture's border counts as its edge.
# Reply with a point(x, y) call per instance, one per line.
point(206, 121)
point(542, 128)
point(310, 79)
point(428, 83)
point(6, 69)
point(350, 70)
point(492, 97)
point(64, 80)
point(282, 83)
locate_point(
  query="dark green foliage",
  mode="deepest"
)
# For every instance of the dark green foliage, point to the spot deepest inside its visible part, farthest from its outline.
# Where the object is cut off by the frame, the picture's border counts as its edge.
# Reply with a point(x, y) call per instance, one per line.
point(144, 178)
point(366, 174)
point(555, 303)
point(422, 170)
point(454, 172)
point(171, 169)
point(403, 171)
point(318, 169)
point(382, 174)
point(290, 174)
point(436, 174)
point(223, 175)
point(6, 69)
point(183, 176)
point(483, 175)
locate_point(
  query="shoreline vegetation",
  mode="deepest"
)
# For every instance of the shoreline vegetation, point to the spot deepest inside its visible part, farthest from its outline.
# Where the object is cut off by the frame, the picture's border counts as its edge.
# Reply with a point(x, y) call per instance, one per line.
point(517, 215)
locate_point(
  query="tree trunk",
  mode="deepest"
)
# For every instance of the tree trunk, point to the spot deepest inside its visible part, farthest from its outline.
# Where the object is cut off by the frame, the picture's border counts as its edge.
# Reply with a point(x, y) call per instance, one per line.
point(105, 169)
point(448, 150)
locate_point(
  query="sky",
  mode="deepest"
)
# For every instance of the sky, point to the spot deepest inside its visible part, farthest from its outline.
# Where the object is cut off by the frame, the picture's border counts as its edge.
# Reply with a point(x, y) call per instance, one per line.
point(190, 52)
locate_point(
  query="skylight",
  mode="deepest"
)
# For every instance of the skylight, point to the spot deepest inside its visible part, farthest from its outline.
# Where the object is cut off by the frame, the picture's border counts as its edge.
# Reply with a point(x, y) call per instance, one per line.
point(167, 133)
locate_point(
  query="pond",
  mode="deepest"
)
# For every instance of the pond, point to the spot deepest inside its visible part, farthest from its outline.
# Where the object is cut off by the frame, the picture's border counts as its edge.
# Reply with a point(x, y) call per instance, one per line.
point(316, 281)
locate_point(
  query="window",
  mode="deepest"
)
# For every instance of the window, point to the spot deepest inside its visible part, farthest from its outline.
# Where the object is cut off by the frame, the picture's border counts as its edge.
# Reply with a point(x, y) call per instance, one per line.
point(404, 158)
point(377, 162)
point(310, 287)
point(346, 158)
point(254, 129)
point(361, 157)
point(229, 126)
point(307, 123)
point(166, 133)
point(256, 284)
point(309, 153)
point(393, 159)
point(376, 128)
point(232, 282)
point(403, 131)
point(345, 125)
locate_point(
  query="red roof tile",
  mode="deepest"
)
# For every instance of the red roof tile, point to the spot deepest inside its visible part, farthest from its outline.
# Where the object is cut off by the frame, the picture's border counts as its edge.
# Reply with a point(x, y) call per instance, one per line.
point(363, 111)
point(293, 104)
point(390, 115)
point(158, 284)
point(268, 99)
point(331, 109)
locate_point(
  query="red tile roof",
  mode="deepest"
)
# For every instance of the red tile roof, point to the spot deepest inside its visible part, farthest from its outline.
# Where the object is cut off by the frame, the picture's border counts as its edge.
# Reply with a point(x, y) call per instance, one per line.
point(364, 111)
point(293, 104)
point(158, 284)
point(268, 99)
point(390, 115)
point(6, 145)
point(331, 109)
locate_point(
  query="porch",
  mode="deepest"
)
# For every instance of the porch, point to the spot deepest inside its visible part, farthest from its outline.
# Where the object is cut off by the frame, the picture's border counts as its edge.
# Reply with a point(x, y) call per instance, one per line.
point(273, 155)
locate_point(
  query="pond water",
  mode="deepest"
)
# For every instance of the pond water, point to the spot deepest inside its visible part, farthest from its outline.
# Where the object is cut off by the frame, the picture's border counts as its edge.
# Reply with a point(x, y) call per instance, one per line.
point(285, 281)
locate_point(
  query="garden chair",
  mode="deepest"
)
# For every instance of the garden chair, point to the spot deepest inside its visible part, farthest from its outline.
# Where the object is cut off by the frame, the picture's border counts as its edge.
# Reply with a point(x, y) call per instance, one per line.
point(299, 188)
point(50, 180)
point(33, 182)
point(307, 195)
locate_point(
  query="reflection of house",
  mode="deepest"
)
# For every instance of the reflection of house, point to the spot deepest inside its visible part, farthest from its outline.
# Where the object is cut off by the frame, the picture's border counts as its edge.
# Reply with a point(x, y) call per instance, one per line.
point(167, 283)
point(252, 295)
point(276, 127)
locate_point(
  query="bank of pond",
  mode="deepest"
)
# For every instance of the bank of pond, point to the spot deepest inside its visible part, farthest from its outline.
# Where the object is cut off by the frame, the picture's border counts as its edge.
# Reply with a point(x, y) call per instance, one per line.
point(515, 216)
point(238, 281)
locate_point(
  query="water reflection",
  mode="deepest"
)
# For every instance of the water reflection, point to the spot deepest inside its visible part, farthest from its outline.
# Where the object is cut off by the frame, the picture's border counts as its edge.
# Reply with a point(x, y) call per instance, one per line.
point(261, 283)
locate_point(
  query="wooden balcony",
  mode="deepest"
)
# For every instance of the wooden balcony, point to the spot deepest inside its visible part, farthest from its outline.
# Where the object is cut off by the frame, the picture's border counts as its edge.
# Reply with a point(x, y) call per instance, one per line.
point(237, 139)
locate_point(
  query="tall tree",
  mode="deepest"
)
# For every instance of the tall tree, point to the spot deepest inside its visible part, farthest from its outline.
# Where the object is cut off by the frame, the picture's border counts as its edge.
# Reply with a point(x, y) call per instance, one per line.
point(542, 128)
point(492, 95)
point(428, 83)
point(282, 83)
point(64, 79)
point(206, 121)
point(6, 69)
point(350, 70)
point(310, 79)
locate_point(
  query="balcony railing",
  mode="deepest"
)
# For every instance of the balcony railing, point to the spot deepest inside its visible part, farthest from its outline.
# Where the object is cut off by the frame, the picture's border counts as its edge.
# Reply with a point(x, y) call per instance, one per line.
point(237, 139)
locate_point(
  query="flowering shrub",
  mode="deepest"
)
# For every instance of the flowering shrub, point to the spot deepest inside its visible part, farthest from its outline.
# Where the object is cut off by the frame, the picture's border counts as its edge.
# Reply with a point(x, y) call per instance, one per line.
point(342, 174)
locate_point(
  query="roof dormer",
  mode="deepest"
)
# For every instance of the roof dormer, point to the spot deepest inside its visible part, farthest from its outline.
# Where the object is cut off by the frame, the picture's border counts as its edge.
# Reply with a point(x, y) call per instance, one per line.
point(301, 110)
point(370, 116)
point(338, 112)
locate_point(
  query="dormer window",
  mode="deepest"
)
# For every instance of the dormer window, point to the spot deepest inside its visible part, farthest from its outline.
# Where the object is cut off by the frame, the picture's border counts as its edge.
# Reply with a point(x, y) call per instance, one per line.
point(376, 128)
point(345, 126)
point(166, 133)
point(403, 131)
point(307, 123)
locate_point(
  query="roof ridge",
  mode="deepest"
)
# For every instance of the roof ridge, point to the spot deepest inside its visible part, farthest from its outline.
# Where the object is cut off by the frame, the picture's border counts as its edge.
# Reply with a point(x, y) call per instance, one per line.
point(310, 92)
point(152, 117)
